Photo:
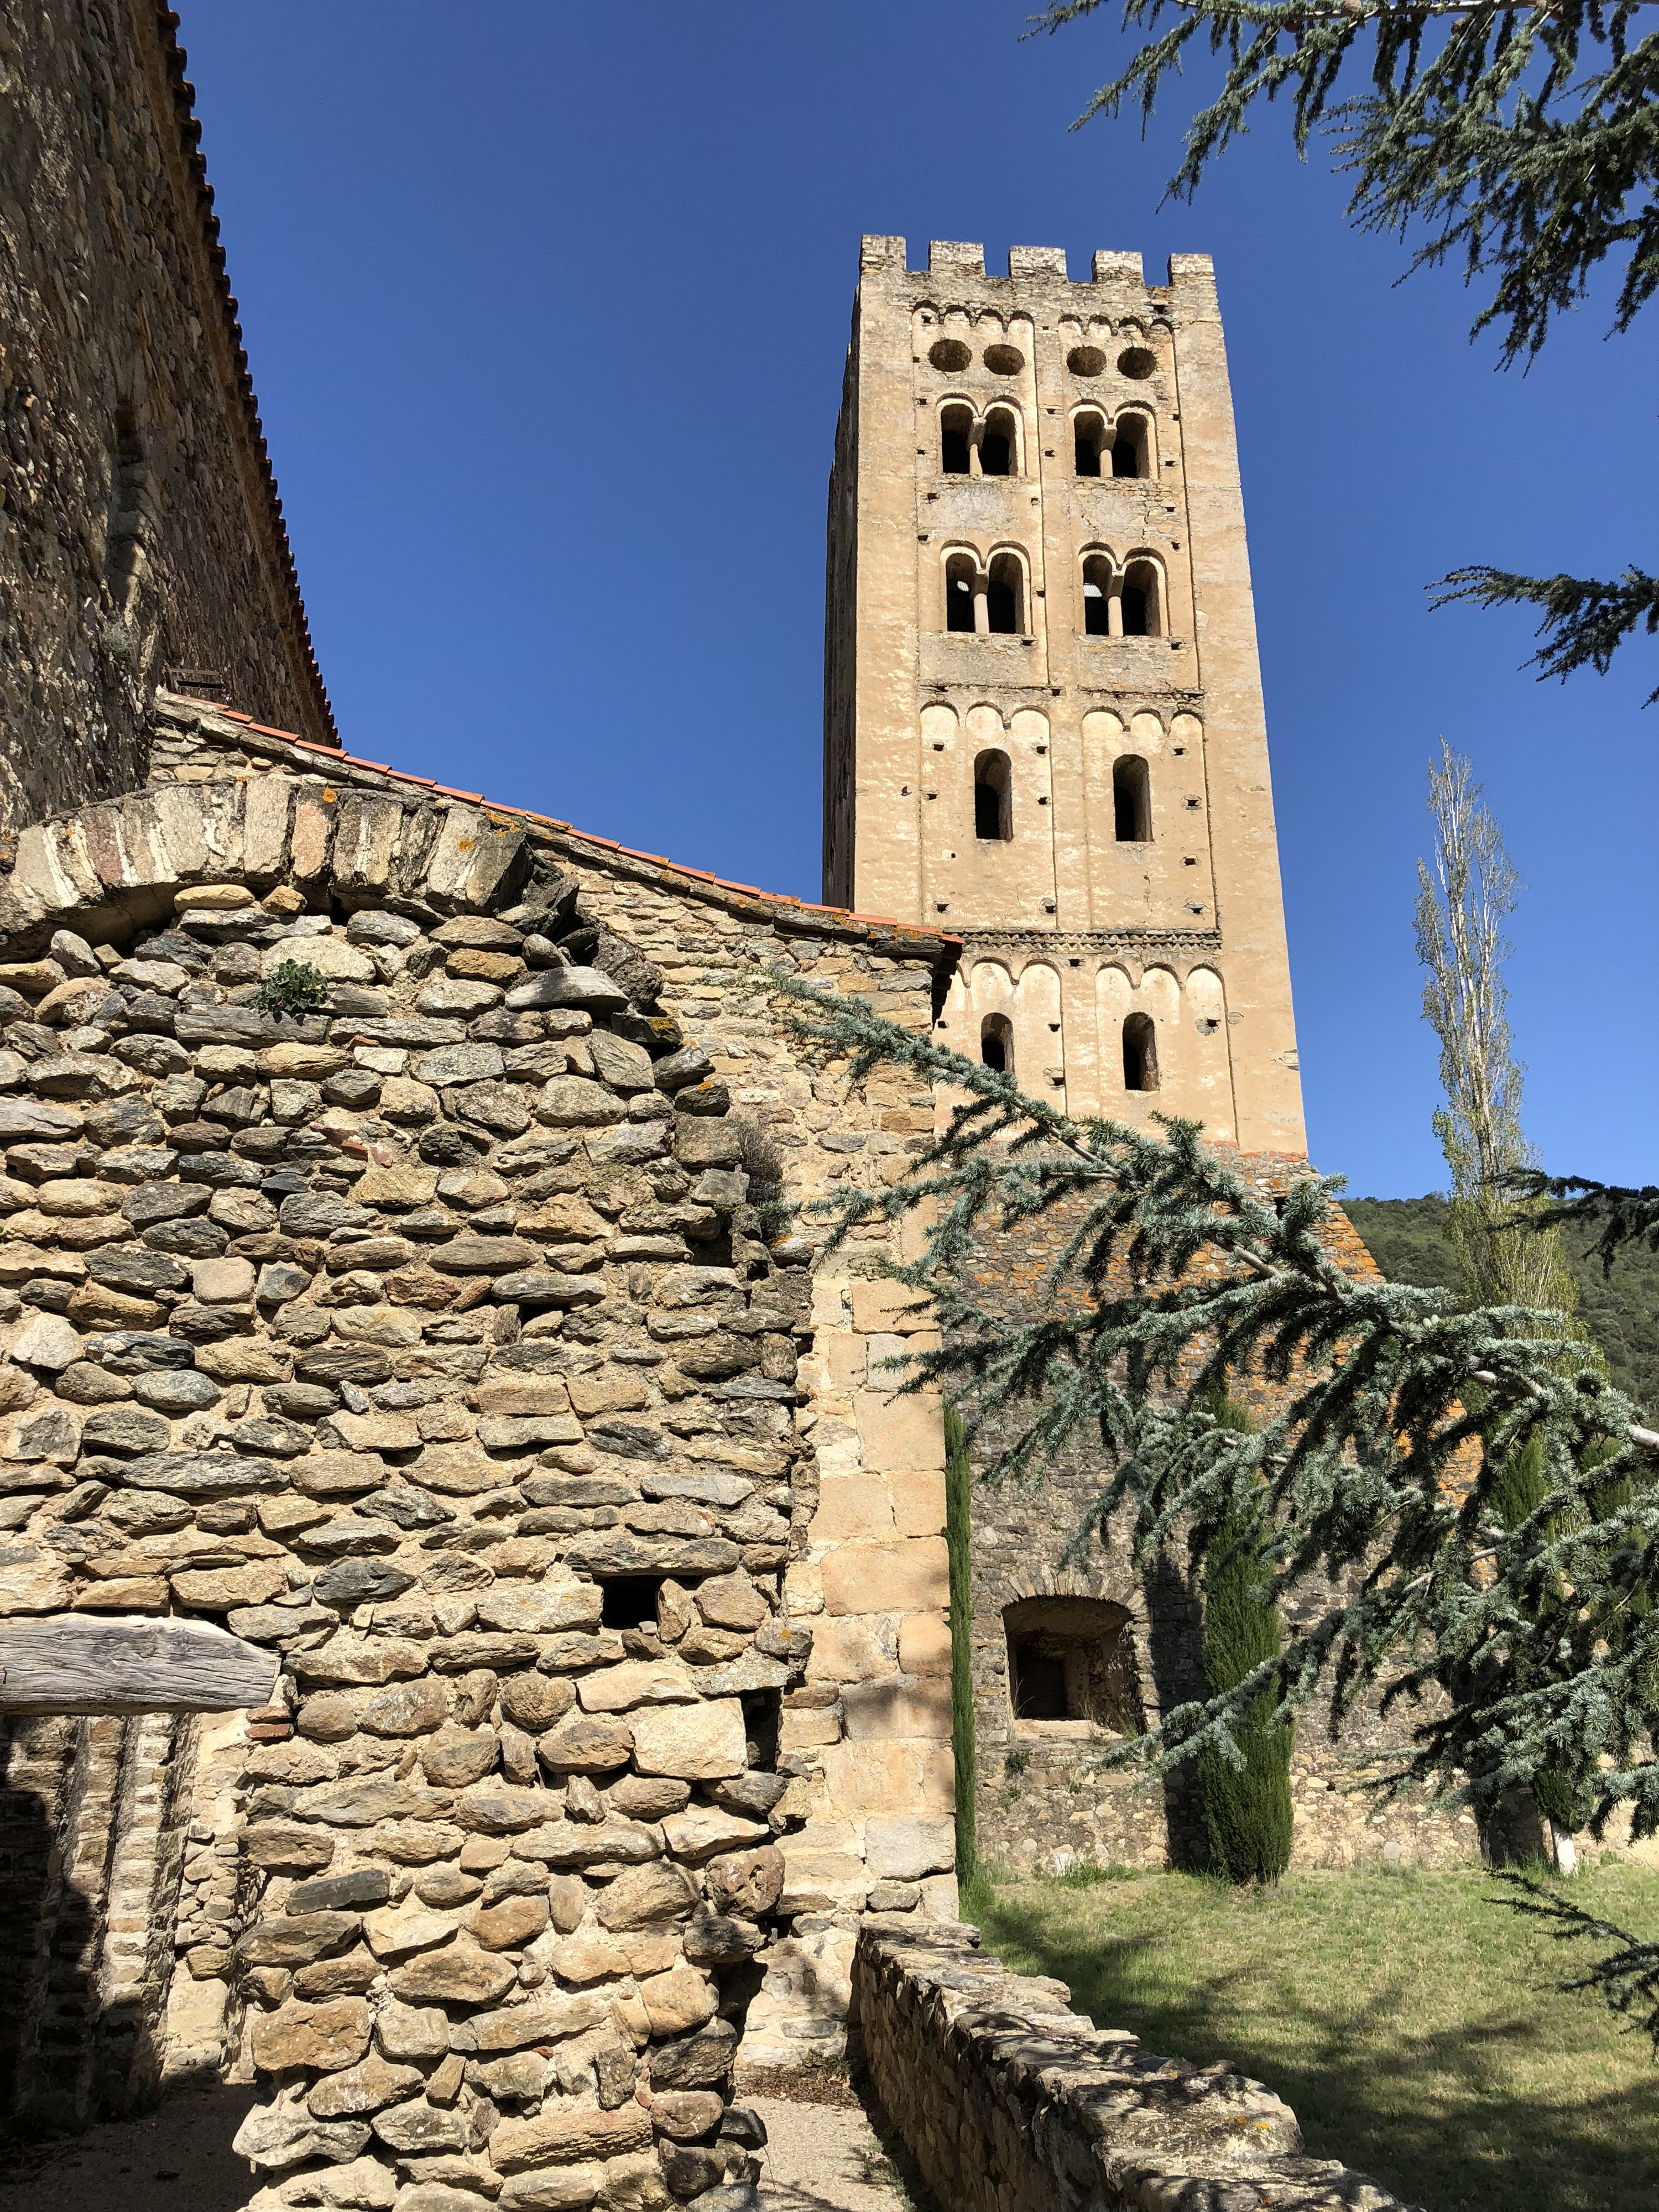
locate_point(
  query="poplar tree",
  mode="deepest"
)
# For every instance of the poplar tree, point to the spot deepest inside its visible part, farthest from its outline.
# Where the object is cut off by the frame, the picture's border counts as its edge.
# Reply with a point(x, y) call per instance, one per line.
point(1515, 1643)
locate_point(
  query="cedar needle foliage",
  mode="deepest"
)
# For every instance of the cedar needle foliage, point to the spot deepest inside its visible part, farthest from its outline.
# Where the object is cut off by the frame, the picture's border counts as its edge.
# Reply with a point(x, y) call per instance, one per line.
point(1385, 1541)
point(1521, 142)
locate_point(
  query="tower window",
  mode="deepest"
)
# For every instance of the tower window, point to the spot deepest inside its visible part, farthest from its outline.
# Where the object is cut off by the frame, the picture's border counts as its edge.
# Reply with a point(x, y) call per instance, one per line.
point(994, 812)
point(1089, 441)
point(1131, 800)
point(1097, 596)
point(1141, 611)
point(1139, 1054)
point(1129, 448)
point(959, 593)
point(996, 1043)
point(998, 444)
point(1004, 595)
point(955, 431)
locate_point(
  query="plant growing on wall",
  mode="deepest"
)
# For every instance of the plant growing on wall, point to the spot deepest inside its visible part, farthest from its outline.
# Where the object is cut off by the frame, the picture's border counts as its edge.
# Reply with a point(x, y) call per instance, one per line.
point(1248, 1815)
point(293, 989)
point(1376, 1480)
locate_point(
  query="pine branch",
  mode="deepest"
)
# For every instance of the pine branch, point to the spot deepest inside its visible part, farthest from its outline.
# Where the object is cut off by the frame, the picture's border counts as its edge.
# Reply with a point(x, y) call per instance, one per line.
point(1627, 1979)
point(1476, 119)
point(1623, 1215)
point(1585, 622)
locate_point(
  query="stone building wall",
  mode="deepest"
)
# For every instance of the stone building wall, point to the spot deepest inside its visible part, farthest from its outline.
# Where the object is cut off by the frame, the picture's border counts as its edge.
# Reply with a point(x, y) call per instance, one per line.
point(1012, 2103)
point(432, 1339)
point(141, 537)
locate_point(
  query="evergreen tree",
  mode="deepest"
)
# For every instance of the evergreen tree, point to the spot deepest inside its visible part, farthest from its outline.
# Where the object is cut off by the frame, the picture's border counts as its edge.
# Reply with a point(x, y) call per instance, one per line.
point(1248, 1815)
point(959, 1539)
point(1523, 135)
point(1388, 1535)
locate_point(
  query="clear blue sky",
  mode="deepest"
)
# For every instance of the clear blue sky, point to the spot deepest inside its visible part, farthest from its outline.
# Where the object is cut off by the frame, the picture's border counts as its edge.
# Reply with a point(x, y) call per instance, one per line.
point(547, 310)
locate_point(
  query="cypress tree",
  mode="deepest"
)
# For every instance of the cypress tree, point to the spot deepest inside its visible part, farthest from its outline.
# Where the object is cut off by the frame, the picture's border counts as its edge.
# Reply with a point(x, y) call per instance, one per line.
point(1247, 1809)
point(959, 1536)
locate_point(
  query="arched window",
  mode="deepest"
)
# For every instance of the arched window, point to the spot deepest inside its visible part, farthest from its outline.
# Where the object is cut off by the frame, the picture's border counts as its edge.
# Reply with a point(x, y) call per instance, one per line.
point(998, 444)
point(1004, 596)
point(1088, 442)
point(1129, 445)
point(1131, 800)
point(996, 1043)
point(1139, 1054)
point(1141, 612)
point(1097, 596)
point(960, 574)
point(956, 428)
point(994, 809)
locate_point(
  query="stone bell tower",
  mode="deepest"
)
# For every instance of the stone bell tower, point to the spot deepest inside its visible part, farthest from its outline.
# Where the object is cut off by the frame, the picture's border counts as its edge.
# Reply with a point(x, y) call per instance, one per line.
point(1043, 721)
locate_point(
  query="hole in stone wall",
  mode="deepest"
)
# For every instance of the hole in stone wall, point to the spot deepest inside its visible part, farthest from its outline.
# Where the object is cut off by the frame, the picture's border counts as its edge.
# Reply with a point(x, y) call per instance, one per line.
point(630, 1600)
point(1004, 360)
point(1073, 1659)
point(1137, 364)
point(949, 354)
point(1085, 360)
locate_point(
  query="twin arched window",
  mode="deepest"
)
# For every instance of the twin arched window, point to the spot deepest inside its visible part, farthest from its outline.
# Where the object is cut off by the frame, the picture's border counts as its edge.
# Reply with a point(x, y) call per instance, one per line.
point(989, 601)
point(1120, 449)
point(971, 446)
point(1126, 602)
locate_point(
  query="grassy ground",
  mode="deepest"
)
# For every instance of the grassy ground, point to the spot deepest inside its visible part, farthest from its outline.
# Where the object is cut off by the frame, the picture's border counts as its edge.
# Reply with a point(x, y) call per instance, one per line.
point(1414, 2027)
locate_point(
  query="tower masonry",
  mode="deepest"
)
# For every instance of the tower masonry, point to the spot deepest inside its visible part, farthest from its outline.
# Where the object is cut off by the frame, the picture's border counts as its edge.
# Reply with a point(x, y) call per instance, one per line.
point(1043, 721)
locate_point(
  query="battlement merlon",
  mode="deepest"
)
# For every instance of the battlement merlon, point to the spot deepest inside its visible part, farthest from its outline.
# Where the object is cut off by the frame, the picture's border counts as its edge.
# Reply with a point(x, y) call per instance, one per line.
point(1190, 283)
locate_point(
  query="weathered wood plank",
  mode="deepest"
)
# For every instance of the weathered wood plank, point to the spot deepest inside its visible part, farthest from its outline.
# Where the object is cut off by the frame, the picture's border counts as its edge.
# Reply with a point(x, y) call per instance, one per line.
point(70, 1663)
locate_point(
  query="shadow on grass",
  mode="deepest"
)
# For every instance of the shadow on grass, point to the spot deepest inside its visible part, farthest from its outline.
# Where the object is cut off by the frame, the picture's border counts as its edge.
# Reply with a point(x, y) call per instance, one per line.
point(1424, 2108)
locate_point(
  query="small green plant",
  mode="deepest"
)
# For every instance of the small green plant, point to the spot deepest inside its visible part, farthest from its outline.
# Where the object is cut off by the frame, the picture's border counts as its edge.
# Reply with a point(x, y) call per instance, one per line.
point(1017, 1762)
point(1090, 1877)
point(293, 988)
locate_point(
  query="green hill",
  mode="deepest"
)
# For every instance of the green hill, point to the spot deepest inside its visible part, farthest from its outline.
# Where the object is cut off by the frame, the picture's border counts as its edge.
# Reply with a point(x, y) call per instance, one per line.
point(1406, 1238)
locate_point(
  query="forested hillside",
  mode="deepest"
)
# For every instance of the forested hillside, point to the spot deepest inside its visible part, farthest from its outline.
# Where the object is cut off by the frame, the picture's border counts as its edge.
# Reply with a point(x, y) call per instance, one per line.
point(1406, 1238)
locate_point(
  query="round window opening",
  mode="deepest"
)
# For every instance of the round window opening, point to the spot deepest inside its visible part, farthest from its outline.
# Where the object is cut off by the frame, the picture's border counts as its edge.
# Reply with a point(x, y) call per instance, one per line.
point(1085, 360)
point(1136, 364)
point(949, 354)
point(1004, 360)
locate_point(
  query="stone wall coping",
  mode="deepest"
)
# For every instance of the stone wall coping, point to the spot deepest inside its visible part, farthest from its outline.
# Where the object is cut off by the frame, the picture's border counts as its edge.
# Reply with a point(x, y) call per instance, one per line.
point(223, 725)
point(1009, 2099)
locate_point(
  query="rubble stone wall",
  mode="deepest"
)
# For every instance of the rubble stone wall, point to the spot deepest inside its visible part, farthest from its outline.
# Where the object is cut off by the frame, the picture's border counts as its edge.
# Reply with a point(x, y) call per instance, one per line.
point(1012, 2103)
point(140, 532)
point(433, 1339)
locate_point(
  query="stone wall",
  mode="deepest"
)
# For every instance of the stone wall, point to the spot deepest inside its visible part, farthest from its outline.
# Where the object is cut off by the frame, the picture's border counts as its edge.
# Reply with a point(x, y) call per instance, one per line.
point(1012, 2103)
point(433, 1339)
point(141, 537)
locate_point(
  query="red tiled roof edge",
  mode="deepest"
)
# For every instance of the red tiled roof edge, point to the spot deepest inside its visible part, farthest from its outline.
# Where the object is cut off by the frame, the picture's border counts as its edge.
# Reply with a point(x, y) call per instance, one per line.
point(174, 59)
point(205, 713)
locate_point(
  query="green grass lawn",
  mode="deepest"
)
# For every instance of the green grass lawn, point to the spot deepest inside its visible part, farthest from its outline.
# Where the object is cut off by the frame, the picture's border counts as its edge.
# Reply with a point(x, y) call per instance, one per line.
point(1414, 2027)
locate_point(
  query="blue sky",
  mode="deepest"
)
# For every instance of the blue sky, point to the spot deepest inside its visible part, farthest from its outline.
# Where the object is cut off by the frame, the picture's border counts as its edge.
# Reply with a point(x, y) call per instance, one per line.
point(547, 311)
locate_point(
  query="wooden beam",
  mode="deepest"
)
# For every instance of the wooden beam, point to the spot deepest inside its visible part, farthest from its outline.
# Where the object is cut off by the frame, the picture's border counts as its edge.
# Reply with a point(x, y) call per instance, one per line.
point(70, 1663)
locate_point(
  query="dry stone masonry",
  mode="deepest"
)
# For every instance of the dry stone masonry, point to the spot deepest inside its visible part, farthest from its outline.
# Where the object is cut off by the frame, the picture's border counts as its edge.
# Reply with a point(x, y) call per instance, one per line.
point(1011, 2103)
point(430, 1338)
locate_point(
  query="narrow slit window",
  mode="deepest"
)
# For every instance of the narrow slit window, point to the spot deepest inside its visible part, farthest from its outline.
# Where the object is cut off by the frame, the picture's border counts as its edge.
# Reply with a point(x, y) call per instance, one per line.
point(955, 429)
point(1141, 611)
point(998, 444)
point(959, 593)
point(1129, 448)
point(1139, 1054)
point(1131, 800)
point(993, 798)
point(1097, 596)
point(1004, 597)
point(996, 1043)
